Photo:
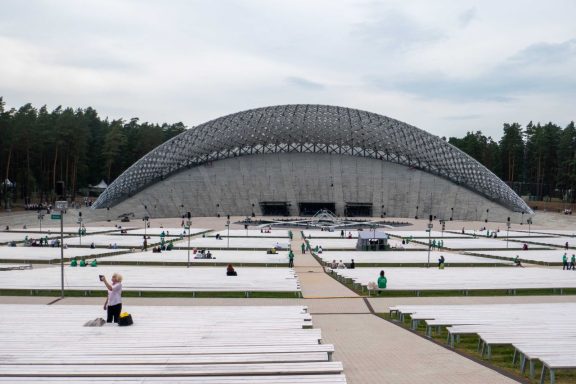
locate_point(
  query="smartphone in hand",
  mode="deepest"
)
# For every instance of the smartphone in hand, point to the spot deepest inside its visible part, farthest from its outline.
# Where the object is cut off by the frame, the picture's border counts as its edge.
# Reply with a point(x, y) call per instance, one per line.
point(101, 277)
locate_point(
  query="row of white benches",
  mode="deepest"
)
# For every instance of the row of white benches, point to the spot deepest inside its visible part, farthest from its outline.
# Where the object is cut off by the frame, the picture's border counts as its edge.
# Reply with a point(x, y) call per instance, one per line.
point(157, 279)
point(406, 258)
point(215, 345)
point(462, 278)
point(543, 332)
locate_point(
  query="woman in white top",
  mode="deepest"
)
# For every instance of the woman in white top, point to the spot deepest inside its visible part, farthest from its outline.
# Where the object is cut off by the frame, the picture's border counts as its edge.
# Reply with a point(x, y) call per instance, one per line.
point(114, 301)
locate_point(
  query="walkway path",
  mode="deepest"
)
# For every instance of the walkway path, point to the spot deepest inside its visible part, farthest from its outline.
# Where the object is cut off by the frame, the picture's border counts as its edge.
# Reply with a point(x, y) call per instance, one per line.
point(313, 281)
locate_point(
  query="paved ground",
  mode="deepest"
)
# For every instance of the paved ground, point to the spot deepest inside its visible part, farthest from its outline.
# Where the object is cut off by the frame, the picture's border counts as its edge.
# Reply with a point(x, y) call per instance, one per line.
point(376, 351)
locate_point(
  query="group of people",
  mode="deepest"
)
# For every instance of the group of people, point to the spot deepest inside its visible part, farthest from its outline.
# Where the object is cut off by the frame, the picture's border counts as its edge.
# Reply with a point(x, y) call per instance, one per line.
point(202, 254)
point(436, 244)
point(341, 265)
point(566, 265)
point(74, 262)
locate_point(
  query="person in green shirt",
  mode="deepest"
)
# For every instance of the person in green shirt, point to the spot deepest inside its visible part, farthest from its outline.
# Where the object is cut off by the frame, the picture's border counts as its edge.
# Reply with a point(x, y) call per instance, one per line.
point(382, 280)
point(74, 262)
point(82, 263)
point(94, 263)
point(290, 259)
point(565, 262)
point(573, 261)
point(303, 248)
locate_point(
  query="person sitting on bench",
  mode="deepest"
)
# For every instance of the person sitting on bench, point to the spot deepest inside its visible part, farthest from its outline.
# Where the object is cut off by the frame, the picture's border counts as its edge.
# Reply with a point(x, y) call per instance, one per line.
point(382, 281)
point(517, 261)
point(441, 261)
point(230, 271)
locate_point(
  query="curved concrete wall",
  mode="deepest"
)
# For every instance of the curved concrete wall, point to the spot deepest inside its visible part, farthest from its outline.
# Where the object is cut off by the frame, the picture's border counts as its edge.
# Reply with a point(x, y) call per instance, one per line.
point(237, 186)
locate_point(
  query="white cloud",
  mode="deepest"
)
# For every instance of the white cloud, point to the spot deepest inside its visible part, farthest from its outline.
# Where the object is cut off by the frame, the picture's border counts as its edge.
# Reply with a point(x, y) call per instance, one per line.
point(447, 67)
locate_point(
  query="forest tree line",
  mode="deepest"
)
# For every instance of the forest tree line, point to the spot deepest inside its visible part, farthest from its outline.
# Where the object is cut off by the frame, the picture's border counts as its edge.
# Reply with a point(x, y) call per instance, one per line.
point(40, 148)
point(538, 160)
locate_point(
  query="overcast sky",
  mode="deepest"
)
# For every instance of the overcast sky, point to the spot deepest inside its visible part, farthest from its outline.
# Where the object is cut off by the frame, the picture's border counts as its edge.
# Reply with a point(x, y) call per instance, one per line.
point(444, 66)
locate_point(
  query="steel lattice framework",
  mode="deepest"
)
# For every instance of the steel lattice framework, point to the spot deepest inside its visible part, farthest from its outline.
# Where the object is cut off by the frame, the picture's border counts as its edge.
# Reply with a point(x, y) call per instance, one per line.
point(312, 129)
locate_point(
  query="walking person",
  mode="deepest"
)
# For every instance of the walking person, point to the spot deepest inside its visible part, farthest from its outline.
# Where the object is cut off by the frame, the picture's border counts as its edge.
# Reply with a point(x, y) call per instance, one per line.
point(290, 259)
point(113, 302)
point(303, 246)
point(565, 262)
point(573, 262)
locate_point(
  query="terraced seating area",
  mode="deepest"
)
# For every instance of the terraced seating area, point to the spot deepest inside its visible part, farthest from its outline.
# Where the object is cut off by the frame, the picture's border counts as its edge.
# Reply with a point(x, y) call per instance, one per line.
point(67, 230)
point(104, 241)
point(7, 237)
point(154, 279)
point(11, 267)
point(330, 235)
point(485, 243)
point(538, 332)
point(168, 232)
point(409, 258)
point(278, 233)
point(236, 243)
point(462, 279)
point(540, 256)
point(219, 257)
point(502, 233)
point(48, 254)
point(350, 244)
point(215, 345)
point(551, 242)
point(424, 235)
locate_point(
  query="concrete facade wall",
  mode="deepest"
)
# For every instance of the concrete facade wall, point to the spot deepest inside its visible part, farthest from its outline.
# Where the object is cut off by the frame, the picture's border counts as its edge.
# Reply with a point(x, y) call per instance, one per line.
point(237, 186)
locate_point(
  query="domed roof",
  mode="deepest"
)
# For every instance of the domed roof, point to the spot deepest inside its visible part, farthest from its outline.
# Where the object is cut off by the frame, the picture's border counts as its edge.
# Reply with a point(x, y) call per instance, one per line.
point(311, 129)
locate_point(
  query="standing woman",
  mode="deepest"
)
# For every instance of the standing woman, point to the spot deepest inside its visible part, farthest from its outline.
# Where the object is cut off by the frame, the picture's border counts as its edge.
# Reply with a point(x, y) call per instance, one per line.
point(114, 301)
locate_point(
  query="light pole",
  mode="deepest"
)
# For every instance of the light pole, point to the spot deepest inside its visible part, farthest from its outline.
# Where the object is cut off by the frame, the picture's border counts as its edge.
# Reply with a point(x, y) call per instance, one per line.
point(145, 219)
point(188, 224)
point(429, 239)
point(228, 225)
point(507, 231)
point(61, 206)
point(80, 226)
point(40, 218)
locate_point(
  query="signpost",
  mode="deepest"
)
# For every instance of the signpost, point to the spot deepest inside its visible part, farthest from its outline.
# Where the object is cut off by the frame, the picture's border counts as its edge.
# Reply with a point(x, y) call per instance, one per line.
point(61, 206)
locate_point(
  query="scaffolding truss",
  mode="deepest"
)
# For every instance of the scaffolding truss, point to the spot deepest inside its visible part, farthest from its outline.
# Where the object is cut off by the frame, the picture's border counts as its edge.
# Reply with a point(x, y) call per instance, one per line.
point(311, 129)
